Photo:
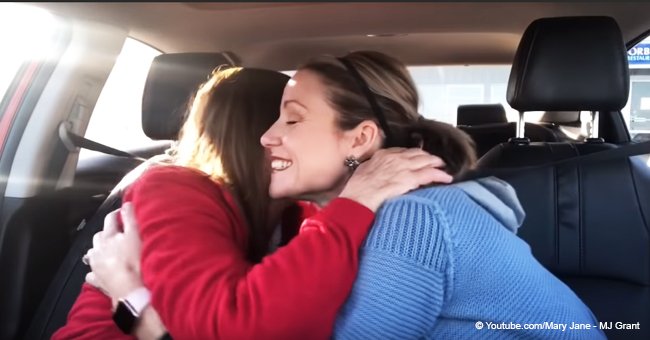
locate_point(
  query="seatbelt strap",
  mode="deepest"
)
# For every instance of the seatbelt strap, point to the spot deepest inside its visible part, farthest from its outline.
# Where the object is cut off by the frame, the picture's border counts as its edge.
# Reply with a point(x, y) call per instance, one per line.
point(629, 150)
point(73, 141)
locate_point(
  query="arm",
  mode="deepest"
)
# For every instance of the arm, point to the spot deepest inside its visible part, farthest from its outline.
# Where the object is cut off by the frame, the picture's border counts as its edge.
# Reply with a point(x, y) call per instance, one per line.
point(90, 318)
point(404, 275)
point(193, 262)
point(413, 175)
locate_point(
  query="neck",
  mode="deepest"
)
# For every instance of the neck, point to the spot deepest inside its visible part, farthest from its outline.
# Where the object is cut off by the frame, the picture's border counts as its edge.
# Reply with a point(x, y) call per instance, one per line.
point(323, 198)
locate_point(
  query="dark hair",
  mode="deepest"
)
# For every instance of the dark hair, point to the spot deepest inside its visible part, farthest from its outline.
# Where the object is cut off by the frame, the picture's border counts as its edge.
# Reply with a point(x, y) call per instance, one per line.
point(221, 137)
point(396, 95)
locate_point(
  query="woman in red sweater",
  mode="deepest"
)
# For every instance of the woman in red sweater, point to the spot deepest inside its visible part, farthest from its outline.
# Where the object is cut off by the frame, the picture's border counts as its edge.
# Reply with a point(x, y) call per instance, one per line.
point(206, 222)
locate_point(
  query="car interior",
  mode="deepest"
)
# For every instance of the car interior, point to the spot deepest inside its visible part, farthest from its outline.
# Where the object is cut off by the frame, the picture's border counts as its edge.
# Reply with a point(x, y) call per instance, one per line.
point(580, 168)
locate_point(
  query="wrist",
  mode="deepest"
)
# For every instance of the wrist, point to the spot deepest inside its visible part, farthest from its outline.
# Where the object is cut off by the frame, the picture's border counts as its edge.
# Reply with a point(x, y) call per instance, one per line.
point(129, 309)
point(150, 326)
point(129, 281)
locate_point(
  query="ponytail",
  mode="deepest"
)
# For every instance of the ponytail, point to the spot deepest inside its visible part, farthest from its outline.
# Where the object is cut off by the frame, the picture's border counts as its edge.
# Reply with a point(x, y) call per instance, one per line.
point(455, 147)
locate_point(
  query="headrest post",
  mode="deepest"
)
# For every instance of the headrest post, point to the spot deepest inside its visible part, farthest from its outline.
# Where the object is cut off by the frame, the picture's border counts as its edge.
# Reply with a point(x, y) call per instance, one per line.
point(519, 139)
point(592, 129)
point(521, 125)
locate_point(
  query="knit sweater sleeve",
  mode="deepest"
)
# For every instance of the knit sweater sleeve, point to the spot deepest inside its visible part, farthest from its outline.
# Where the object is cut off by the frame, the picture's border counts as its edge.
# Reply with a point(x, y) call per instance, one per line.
point(194, 263)
point(404, 276)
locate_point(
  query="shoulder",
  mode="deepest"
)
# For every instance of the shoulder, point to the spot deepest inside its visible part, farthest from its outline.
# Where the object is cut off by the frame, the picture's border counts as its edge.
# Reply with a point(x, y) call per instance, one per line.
point(439, 197)
point(173, 181)
point(423, 206)
point(416, 226)
point(167, 194)
point(173, 175)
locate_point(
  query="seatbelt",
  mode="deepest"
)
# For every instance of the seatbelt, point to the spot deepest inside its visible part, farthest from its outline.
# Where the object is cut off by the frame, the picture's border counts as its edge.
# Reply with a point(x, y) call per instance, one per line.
point(629, 150)
point(73, 141)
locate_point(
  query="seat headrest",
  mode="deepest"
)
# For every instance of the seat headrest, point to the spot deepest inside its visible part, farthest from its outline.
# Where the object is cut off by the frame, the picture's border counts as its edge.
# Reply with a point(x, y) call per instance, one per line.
point(173, 79)
point(480, 114)
point(570, 64)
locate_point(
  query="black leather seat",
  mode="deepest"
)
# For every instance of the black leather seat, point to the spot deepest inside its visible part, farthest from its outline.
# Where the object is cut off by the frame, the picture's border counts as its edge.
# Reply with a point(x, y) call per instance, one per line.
point(586, 223)
point(172, 80)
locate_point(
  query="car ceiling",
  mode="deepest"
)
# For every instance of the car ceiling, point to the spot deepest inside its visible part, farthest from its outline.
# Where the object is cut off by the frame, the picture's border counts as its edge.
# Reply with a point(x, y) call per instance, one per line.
point(282, 35)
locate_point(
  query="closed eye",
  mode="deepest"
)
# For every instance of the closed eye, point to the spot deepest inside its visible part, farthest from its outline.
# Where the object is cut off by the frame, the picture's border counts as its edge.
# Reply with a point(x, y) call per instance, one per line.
point(291, 122)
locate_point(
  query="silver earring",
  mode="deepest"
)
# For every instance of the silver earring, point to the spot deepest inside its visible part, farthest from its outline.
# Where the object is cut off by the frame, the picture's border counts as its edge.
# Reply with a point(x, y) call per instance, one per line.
point(351, 162)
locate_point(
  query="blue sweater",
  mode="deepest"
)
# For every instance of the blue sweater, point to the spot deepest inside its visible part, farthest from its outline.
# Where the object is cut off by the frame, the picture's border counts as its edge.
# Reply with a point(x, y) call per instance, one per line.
point(445, 263)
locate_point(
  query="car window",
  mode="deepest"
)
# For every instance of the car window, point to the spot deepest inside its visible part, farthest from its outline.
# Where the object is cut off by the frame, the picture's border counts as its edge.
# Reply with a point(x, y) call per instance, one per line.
point(117, 118)
point(443, 88)
point(637, 111)
point(21, 40)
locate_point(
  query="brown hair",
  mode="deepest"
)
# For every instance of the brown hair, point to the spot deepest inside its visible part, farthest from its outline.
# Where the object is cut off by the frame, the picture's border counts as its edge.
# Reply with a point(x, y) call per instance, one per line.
point(396, 95)
point(221, 137)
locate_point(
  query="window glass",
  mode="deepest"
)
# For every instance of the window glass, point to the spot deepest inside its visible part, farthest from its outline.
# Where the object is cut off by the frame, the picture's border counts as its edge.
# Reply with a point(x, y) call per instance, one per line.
point(637, 111)
point(443, 88)
point(117, 118)
point(22, 40)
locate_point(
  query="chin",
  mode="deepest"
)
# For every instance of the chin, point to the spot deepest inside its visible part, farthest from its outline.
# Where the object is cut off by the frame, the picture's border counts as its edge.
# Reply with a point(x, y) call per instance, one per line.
point(277, 193)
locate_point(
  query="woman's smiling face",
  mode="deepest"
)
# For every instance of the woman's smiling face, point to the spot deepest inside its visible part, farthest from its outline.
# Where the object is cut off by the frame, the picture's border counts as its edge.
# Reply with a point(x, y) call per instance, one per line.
point(306, 147)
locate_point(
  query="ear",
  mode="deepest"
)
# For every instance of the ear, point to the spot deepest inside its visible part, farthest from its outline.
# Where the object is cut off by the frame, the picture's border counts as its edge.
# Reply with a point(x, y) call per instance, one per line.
point(365, 139)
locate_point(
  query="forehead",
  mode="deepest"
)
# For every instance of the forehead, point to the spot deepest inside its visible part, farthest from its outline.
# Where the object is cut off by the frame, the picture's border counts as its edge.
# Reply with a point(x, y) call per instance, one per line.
point(304, 84)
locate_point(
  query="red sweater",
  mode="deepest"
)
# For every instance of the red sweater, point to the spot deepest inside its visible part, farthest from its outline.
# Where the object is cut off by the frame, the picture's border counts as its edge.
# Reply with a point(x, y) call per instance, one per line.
point(193, 261)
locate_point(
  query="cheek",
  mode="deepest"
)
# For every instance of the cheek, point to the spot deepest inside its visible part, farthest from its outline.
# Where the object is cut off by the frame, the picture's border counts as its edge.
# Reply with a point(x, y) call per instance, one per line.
point(317, 168)
point(319, 151)
point(322, 166)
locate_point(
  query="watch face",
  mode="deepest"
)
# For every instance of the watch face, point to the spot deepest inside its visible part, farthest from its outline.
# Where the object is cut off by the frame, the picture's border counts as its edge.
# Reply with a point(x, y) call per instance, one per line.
point(124, 318)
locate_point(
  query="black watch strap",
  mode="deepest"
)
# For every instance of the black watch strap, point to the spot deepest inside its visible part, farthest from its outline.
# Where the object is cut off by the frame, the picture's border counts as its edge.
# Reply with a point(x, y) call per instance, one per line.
point(129, 309)
point(124, 317)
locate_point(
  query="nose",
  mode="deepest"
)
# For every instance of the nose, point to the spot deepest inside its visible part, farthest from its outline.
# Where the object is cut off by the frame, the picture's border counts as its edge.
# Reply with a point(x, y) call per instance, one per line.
point(270, 138)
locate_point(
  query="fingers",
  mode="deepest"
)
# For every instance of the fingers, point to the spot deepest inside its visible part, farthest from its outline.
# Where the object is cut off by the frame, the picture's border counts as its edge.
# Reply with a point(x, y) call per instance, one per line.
point(98, 239)
point(128, 219)
point(408, 157)
point(88, 257)
point(392, 172)
point(91, 279)
point(396, 152)
point(425, 160)
point(111, 223)
point(390, 151)
point(131, 236)
point(429, 175)
point(413, 152)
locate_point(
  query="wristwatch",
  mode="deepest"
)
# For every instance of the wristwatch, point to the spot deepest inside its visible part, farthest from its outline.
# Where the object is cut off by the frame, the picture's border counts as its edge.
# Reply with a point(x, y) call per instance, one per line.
point(130, 308)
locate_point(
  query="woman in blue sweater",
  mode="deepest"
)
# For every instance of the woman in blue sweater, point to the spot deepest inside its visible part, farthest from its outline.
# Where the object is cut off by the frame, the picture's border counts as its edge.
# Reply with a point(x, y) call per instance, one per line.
point(440, 262)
